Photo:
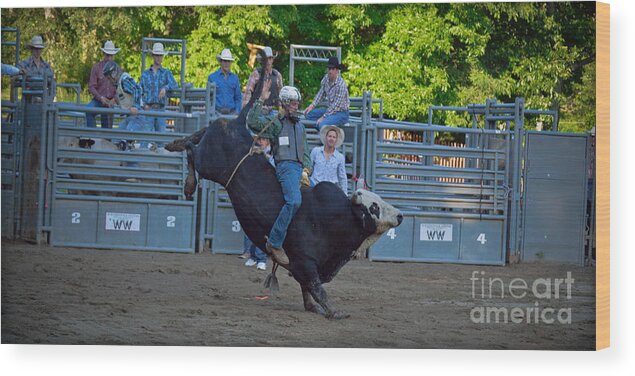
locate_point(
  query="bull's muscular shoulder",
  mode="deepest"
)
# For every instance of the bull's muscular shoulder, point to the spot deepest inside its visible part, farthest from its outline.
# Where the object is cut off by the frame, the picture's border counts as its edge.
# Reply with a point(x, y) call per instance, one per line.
point(328, 211)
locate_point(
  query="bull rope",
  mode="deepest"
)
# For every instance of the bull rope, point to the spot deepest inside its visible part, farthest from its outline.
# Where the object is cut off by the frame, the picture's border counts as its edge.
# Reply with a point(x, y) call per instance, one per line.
point(251, 152)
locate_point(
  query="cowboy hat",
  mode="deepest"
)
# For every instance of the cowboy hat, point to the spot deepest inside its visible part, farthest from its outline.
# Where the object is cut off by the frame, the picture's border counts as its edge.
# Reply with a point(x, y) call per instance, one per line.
point(266, 52)
point(109, 48)
point(157, 49)
point(334, 63)
point(226, 54)
point(340, 134)
point(37, 42)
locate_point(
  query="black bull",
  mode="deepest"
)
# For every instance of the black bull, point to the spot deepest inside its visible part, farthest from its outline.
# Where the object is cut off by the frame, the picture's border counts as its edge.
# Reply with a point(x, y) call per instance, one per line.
point(326, 231)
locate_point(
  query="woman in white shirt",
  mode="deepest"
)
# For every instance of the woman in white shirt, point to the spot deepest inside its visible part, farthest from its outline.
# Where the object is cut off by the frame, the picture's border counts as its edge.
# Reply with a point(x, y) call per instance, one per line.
point(326, 161)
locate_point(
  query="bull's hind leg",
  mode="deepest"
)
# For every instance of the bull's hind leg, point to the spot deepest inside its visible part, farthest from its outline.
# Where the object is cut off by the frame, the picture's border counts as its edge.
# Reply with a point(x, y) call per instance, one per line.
point(180, 144)
point(190, 181)
point(319, 294)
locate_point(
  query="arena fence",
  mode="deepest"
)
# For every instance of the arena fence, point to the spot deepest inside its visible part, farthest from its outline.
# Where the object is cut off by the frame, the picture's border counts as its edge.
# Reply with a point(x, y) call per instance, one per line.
point(105, 197)
point(477, 201)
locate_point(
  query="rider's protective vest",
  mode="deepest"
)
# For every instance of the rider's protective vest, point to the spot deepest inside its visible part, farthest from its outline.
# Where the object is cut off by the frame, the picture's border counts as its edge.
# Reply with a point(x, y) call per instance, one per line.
point(290, 142)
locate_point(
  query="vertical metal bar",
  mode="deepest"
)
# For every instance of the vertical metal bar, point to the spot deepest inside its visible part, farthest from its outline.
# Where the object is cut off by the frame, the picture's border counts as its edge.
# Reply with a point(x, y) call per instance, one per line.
point(183, 55)
point(291, 64)
point(41, 196)
point(518, 152)
point(143, 55)
point(209, 104)
point(362, 168)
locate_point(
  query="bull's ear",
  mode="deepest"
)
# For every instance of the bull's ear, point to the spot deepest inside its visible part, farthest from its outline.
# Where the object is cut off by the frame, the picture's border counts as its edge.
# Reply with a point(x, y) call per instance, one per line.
point(366, 220)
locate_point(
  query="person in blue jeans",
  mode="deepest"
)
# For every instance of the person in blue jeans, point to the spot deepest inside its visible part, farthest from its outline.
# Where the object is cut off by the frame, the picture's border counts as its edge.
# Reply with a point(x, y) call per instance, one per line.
point(155, 82)
point(291, 154)
point(101, 88)
point(228, 96)
point(253, 254)
point(334, 91)
point(127, 97)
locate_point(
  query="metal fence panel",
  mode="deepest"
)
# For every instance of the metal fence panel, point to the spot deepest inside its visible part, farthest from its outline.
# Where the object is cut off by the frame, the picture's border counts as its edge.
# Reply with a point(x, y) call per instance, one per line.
point(482, 241)
point(11, 147)
point(555, 202)
point(451, 193)
point(106, 197)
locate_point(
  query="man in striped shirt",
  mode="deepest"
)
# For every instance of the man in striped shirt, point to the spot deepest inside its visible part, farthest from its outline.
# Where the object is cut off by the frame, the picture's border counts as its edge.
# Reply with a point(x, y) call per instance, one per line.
point(333, 89)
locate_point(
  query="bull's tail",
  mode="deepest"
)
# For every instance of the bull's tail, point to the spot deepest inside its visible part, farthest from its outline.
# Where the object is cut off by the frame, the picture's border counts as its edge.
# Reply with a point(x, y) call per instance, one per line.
point(271, 282)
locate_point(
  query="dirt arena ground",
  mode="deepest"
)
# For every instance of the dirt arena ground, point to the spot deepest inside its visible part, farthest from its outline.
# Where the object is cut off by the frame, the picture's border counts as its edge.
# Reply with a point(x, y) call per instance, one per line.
point(85, 296)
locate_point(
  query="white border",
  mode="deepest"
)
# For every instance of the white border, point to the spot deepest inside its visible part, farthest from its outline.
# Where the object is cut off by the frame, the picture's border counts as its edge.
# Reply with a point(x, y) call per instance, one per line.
point(114, 360)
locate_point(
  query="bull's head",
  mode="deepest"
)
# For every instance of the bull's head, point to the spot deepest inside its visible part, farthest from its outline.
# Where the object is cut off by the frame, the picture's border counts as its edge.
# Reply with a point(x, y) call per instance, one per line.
point(377, 215)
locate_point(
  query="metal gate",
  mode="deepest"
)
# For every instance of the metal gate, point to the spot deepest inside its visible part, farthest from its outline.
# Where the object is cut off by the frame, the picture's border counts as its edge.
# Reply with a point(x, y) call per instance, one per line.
point(554, 209)
point(104, 197)
point(452, 214)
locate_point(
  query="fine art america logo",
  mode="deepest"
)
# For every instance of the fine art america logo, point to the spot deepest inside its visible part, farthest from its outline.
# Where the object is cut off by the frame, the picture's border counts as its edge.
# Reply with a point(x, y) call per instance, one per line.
point(524, 296)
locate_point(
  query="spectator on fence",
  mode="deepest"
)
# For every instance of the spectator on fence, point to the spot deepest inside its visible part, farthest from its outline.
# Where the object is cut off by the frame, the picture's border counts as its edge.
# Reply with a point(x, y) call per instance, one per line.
point(128, 97)
point(253, 254)
point(290, 151)
point(333, 89)
point(265, 58)
point(101, 88)
point(327, 163)
point(228, 95)
point(155, 83)
point(35, 65)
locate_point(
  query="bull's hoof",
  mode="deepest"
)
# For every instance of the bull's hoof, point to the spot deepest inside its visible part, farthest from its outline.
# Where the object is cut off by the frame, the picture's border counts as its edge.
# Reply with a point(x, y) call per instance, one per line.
point(190, 186)
point(338, 315)
point(177, 145)
point(315, 309)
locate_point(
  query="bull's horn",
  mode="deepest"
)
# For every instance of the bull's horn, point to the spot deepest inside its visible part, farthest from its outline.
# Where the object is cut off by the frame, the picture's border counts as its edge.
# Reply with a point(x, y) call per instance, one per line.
point(356, 199)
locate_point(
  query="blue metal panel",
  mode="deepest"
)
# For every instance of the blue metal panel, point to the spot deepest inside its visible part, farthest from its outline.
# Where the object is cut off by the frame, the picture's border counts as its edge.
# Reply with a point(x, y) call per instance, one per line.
point(122, 224)
point(228, 234)
point(75, 222)
point(396, 243)
point(555, 202)
point(554, 221)
point(171, 226)
point(482, 240)
point(108, 223)
point(437, 238)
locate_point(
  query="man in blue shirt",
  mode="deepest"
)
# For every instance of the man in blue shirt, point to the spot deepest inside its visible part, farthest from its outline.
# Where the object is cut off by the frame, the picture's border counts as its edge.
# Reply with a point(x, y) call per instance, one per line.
point(155, 82)
point(228, 95)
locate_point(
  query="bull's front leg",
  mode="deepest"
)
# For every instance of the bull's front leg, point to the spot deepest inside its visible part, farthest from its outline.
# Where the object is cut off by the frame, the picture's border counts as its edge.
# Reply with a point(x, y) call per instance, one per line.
point(309, 304)
point(319, 294)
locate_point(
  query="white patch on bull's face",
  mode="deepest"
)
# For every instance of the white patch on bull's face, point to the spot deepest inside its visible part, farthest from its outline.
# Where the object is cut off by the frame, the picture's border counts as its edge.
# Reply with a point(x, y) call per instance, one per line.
point(385, 215)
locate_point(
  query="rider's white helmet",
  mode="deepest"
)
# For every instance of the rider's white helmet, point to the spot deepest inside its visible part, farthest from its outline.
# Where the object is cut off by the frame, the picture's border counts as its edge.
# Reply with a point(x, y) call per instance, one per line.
point(288, 94)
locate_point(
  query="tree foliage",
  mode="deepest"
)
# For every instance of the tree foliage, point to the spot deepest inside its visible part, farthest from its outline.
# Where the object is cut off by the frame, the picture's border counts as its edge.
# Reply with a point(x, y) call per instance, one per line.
point(409, 55)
